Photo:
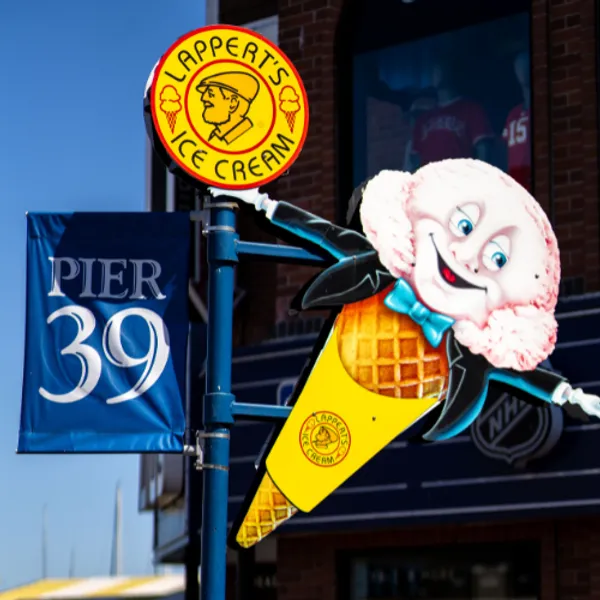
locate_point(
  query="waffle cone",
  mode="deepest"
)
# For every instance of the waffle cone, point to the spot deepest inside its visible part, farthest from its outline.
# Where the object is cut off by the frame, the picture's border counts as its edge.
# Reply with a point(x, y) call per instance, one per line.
point(171, 119)
point(384, 352)
point(387, 353)
point(290, 117)
point(268, 510)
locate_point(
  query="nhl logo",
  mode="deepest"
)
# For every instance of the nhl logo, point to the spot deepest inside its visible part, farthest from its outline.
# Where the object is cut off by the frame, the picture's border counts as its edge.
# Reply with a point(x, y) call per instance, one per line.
point(515, 431)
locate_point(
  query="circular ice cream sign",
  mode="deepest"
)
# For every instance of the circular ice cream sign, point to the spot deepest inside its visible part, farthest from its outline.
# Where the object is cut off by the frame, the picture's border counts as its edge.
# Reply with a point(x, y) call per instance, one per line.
point(229, 107)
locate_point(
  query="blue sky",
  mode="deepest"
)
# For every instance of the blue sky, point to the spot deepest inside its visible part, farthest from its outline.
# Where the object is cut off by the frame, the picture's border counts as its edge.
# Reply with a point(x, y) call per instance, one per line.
point(72, 78)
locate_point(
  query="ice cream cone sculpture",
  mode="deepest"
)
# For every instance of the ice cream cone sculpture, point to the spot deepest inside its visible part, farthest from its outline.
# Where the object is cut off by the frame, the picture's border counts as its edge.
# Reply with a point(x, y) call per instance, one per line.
point(289, 105)
point(385, 354)
point(415, 327)
point(170, 104)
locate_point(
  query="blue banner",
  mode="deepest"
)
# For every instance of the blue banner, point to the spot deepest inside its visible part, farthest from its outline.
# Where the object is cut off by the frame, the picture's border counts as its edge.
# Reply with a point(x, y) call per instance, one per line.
point(106, 333)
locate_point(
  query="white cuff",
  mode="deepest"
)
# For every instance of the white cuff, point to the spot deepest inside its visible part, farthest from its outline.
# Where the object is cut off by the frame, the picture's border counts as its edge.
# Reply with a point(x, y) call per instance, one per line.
point(561, 393)
point(269, 207)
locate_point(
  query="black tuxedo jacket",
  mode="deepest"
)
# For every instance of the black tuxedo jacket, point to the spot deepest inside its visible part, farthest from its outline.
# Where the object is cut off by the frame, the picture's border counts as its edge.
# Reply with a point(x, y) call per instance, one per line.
point(358, 274)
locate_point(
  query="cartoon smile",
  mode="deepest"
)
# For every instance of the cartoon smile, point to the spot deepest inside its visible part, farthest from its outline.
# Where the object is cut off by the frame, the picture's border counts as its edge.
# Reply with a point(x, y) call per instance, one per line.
point(449, 276)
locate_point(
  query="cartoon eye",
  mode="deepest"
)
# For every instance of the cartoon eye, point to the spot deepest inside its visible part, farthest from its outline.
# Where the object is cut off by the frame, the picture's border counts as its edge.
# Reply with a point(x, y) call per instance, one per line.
point(464, 219)
point(465, 226)
point(495, 254)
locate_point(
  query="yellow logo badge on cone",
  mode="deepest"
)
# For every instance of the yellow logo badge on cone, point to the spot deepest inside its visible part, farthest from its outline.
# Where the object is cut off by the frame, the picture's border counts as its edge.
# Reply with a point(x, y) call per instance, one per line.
point(340, 425)
point(325, 439)
point(229, 107)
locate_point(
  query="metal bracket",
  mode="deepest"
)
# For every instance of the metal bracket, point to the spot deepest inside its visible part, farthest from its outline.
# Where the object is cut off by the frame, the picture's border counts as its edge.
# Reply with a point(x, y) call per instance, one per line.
point(218, 228)
point(221, 205)
point(199, 453)
point(208, 466)
point(260, 412)
point(216, 434)
point(189, 450)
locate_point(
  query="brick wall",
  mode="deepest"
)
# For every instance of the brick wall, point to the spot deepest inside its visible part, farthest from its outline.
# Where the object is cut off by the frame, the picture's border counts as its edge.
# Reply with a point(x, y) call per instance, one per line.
point(306, 568)
point(566, 129)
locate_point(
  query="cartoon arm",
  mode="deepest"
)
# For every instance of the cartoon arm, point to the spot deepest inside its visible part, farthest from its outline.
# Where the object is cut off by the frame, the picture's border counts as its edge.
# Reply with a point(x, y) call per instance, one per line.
point(548, 386)
point(357, 273)
point(337, 241)
point(467, 389)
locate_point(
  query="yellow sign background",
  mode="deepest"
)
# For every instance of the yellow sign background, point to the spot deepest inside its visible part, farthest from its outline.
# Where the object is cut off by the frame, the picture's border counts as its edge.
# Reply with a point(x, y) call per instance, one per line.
point(372, 422)
point(229, 107)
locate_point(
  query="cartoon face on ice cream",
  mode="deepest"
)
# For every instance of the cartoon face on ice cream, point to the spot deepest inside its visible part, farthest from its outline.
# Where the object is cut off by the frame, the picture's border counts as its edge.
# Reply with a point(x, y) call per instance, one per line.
point(475, 246)
point(448, 283)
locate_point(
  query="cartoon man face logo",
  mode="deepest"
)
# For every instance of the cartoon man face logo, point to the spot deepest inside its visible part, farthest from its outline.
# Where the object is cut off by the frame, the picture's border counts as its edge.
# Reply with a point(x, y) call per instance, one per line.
point(324, 437)
point(226, 99)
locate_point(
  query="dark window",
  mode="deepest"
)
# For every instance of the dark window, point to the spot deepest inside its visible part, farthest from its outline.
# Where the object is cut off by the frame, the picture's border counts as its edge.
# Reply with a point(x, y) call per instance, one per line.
point(432, 79)
point(238, 12)
point(494, 571)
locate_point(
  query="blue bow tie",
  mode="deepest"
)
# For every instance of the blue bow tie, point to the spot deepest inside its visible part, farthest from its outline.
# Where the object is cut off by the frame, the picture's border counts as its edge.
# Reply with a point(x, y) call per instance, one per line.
point(402, 299)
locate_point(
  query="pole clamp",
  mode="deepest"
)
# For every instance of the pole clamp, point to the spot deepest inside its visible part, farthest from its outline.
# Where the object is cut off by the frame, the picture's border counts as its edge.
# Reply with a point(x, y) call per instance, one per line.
point(212, 434)
point(199, 451)
point(203, 466)
point(194, 449)
point(209, 204)
point(218, 228)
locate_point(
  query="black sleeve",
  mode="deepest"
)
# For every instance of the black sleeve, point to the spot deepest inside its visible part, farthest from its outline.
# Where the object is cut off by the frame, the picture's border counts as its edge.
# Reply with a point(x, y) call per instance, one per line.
point(337, 241)
point(468, 381)
point(539, 383)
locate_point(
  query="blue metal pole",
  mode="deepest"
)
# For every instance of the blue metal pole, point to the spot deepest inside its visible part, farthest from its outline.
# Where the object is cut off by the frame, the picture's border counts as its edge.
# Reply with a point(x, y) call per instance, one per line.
point(260, 412)
point(217, 415)
point(283, 253)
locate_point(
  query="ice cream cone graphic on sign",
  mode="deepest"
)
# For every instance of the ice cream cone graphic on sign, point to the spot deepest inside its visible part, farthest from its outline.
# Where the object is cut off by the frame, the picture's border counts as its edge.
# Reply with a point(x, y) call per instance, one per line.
point(367, 342)
point(289, 105)
point(170, 104)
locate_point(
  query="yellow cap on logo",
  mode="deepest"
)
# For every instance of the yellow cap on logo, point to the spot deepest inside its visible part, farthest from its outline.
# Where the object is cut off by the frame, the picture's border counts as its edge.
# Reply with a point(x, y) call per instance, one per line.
point(242, 84)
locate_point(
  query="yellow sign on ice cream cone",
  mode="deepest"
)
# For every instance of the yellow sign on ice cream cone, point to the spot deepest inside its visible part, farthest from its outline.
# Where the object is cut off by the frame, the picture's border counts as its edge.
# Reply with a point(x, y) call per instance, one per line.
point(374, 377)
point(335, 428)
point(229, 107)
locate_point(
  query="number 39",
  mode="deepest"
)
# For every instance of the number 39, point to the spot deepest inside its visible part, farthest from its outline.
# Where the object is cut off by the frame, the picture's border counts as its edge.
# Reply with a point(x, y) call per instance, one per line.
point(91, 363)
